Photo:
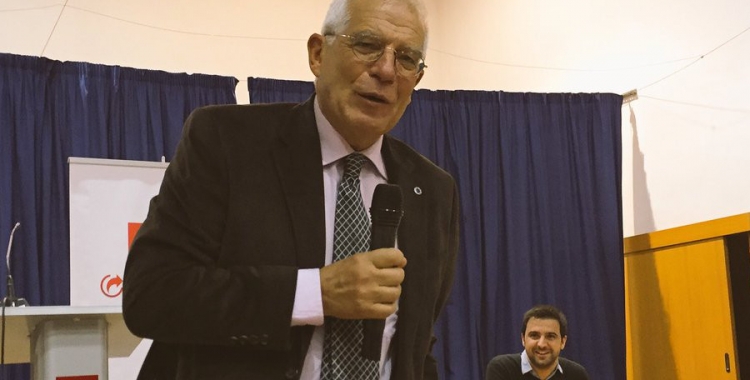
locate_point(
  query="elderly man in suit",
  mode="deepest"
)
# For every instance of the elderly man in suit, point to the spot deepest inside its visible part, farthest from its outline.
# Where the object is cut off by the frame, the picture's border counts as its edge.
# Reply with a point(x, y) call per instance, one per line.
point(245, 267)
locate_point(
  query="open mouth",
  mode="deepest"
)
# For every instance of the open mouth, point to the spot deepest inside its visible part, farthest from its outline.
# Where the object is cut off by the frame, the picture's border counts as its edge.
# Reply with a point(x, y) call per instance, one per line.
point(375, 98)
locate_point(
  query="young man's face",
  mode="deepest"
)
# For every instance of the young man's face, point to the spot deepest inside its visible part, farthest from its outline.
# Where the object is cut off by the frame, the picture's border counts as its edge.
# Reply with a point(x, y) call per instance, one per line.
point(543, 342)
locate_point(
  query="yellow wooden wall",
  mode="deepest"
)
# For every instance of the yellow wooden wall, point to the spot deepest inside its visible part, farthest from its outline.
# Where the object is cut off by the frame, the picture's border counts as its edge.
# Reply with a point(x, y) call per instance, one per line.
point(678, 309)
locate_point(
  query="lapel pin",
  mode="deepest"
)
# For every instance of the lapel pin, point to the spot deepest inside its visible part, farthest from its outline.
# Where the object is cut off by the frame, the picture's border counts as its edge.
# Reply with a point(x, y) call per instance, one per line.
point(417, 190)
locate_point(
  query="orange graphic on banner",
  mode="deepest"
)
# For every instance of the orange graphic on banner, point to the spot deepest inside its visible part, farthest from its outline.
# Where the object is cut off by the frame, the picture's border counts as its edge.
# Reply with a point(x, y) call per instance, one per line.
point(132, 229)
point(108, 282)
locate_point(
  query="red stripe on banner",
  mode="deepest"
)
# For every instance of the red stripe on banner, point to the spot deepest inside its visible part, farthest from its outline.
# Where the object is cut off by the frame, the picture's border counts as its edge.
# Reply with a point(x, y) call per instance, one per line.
point(86, 377)
point(132, 229)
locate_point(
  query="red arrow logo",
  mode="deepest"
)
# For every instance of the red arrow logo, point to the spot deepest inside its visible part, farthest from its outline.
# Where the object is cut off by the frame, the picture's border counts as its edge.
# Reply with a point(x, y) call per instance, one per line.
point(108, 282)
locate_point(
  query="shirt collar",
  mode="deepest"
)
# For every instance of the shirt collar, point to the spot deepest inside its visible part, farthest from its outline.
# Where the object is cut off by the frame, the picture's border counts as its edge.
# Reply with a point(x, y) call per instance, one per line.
point(333, 147)
point(526, 366)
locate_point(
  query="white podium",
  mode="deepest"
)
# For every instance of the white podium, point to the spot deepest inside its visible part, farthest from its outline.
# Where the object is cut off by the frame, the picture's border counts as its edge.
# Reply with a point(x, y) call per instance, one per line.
point(67, 341)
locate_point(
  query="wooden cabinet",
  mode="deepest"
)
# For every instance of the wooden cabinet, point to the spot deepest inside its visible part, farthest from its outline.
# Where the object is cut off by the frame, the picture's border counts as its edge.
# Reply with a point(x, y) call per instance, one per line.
point(686, 294)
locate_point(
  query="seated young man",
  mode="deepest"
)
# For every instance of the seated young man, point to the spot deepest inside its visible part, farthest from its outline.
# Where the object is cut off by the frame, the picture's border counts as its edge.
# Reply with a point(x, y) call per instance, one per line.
point(543, 336)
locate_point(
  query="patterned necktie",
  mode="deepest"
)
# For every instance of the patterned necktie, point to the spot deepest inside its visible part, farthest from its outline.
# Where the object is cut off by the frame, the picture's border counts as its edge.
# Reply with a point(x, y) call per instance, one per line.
point(342, 345)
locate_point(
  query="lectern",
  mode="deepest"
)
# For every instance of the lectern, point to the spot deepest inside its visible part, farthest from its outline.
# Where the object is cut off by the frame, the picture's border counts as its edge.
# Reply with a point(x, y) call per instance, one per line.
point(67, 342)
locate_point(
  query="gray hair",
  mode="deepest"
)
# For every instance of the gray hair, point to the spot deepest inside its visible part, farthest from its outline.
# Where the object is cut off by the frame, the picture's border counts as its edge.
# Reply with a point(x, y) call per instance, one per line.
point(338, 17)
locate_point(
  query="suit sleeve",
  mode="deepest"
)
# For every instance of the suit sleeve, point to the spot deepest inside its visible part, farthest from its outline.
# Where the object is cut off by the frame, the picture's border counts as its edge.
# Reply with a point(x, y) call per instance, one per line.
point(447, 274)
point(175, 291)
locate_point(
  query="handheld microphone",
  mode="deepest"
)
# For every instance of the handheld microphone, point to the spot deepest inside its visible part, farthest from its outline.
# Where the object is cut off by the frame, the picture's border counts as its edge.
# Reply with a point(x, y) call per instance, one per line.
point(11, 300)
point(385, 214)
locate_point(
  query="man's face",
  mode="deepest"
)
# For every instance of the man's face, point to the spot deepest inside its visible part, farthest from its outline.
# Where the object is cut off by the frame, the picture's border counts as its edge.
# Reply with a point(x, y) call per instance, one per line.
point(543, 342)
point(364, 100)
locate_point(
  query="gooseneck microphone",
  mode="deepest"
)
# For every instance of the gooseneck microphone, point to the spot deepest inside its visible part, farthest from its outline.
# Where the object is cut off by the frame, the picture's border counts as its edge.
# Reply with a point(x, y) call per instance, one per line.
point(11, 300)
point(385, 214)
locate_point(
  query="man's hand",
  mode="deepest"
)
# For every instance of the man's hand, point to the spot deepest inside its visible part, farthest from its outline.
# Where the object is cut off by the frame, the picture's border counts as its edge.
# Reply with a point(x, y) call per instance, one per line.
point(366, 285)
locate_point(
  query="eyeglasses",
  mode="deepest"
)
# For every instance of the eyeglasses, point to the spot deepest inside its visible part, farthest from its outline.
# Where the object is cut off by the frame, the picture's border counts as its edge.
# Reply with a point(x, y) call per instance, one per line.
point(371, 48)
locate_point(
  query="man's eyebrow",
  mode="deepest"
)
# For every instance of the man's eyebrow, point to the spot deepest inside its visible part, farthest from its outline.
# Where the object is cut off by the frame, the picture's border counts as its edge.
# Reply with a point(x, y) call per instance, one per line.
point(409, 49)
point(366, 33)
point(370, 34)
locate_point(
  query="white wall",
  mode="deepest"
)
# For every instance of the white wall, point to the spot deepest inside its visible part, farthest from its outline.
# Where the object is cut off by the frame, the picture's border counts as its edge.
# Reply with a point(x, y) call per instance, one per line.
point(685, 155)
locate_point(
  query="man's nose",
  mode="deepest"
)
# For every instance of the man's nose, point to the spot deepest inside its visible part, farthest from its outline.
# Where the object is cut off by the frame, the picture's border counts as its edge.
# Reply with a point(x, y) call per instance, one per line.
point(386, 64)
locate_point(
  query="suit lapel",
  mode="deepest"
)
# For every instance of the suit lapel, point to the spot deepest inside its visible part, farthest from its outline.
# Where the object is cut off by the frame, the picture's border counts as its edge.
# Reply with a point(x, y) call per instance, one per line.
point(299, 165)
point(411, 235)
point(401, 172)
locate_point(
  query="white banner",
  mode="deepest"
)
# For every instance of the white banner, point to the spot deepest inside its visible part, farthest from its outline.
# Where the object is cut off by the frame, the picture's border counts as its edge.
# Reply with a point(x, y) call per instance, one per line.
point(108, 202)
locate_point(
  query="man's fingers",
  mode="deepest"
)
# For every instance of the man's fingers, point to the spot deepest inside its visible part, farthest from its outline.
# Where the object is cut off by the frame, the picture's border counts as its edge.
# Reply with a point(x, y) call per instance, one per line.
point(389, 276)
point(366, 285)
point(387, 294)
point(382, 310)
point(387, 258)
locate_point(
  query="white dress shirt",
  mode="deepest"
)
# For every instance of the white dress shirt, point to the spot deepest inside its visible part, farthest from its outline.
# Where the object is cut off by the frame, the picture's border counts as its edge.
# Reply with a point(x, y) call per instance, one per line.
point(308, 303)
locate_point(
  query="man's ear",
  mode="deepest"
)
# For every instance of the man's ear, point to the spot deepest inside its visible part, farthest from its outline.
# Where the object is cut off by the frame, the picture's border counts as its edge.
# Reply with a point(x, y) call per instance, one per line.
point(564, 339)
point(419, 78)
point(315, 52)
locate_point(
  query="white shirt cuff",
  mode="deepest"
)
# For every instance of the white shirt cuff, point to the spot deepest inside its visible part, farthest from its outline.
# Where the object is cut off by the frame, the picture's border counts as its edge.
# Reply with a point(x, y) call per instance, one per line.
point(308, 301)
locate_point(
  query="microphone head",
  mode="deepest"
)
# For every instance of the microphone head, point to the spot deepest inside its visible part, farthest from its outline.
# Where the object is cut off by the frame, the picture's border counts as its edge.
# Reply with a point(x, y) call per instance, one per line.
point(386, 205)
point(387, 196)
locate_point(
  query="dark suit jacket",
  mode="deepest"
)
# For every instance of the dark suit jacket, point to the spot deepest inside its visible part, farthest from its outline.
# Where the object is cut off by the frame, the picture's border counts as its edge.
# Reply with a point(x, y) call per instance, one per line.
point(211, 274)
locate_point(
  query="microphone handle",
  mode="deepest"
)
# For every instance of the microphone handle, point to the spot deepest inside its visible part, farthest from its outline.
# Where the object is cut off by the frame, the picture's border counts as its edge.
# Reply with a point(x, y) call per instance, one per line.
point(383, 235)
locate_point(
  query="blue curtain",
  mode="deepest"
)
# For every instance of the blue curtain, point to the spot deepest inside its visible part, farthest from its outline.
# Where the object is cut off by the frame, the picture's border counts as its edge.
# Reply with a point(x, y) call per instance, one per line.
point(540, 182)
point(52, 110)
point(275, 91)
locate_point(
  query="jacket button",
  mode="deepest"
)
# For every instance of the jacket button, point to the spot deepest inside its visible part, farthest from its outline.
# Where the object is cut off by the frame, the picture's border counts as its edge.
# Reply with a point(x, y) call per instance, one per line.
point(243, 340)
point(235, 340)
point(291, 373)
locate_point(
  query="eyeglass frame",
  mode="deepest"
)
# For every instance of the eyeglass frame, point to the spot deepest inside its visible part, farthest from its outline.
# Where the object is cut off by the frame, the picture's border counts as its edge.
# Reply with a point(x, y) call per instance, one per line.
point(420, 62)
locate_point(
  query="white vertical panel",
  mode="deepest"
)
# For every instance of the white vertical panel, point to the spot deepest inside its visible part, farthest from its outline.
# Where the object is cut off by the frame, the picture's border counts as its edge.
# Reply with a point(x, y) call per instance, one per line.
point(105, 197)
